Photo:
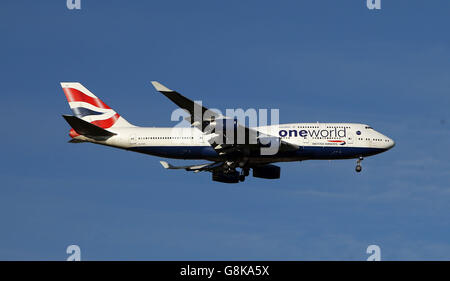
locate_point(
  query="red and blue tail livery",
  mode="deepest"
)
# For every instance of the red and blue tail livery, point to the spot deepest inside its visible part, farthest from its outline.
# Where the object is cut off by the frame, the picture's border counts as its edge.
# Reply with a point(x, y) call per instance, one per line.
point(86, 106)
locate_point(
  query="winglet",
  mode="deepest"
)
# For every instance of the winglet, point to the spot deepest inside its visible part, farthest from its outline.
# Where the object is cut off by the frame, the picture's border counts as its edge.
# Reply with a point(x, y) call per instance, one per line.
point(165, 164)
point(160, 88)
point(195, 168)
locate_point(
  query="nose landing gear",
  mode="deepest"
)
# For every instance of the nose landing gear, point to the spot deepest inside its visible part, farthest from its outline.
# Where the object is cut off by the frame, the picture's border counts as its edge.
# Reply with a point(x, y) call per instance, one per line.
point(358, 165)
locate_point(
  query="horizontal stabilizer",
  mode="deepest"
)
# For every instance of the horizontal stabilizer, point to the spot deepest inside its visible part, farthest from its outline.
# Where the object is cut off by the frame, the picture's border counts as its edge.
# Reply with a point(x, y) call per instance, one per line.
point(87, 129)
point(76, 141)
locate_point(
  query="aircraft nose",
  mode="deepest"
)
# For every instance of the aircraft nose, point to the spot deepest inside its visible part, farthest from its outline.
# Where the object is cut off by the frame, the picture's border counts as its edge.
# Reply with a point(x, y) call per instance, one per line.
point(391, 143)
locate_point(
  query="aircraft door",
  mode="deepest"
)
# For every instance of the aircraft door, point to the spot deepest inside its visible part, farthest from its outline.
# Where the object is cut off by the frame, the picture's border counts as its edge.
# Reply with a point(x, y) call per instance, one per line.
point(133, 139)
point(350, 138)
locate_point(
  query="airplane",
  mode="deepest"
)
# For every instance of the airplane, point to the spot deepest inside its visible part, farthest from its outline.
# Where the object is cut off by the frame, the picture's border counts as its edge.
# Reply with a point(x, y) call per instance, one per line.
point(216, 138)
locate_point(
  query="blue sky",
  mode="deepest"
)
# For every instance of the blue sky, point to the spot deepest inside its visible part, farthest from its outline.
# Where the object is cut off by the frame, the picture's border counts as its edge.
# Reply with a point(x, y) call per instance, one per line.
point(314, 60)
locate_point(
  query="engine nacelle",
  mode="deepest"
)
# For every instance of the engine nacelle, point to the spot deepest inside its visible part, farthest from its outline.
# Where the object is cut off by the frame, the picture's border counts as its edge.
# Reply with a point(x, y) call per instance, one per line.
point(230, 177)
point(267, 172)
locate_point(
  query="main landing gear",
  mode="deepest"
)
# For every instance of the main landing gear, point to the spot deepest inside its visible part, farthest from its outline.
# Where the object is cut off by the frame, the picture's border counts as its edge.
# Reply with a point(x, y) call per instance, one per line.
point(358, 165)
point(244, 173)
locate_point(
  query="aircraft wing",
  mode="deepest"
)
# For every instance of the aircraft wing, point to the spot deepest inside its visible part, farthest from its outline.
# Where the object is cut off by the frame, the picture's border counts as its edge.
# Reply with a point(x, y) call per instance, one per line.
point(225, 135)
point(194, 168)
point(195, 110)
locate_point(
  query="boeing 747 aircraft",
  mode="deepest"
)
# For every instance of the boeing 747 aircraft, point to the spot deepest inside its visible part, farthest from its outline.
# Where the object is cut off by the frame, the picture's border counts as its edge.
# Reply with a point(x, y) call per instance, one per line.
point(232, 148)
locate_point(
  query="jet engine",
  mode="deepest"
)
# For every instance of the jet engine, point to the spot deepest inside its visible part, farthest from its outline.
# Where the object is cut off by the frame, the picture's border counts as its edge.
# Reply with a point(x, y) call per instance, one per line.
point(228, 177)
point(267, 172)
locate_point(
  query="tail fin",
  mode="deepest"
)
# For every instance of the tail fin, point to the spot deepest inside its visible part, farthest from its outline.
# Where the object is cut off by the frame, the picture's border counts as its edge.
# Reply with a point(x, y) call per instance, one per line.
point(86, 106)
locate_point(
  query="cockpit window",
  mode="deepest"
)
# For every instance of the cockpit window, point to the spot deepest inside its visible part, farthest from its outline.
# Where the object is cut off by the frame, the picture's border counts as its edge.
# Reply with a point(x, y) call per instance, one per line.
point(368, 127)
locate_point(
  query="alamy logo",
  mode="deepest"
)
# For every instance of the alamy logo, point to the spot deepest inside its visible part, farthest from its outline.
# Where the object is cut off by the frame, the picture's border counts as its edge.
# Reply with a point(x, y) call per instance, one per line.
point(231, 128)
point(375, 253)
point(73, 4)
point(74, 253)
point(374, 4)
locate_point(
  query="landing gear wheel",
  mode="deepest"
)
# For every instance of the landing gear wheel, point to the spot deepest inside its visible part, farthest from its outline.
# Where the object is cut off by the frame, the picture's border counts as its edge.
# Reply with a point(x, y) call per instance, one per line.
point(358, 165)
point(241, 178)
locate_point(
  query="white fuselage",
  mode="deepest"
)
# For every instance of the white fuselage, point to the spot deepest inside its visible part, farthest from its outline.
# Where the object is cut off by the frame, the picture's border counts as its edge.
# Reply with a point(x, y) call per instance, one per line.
point(315, 141)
